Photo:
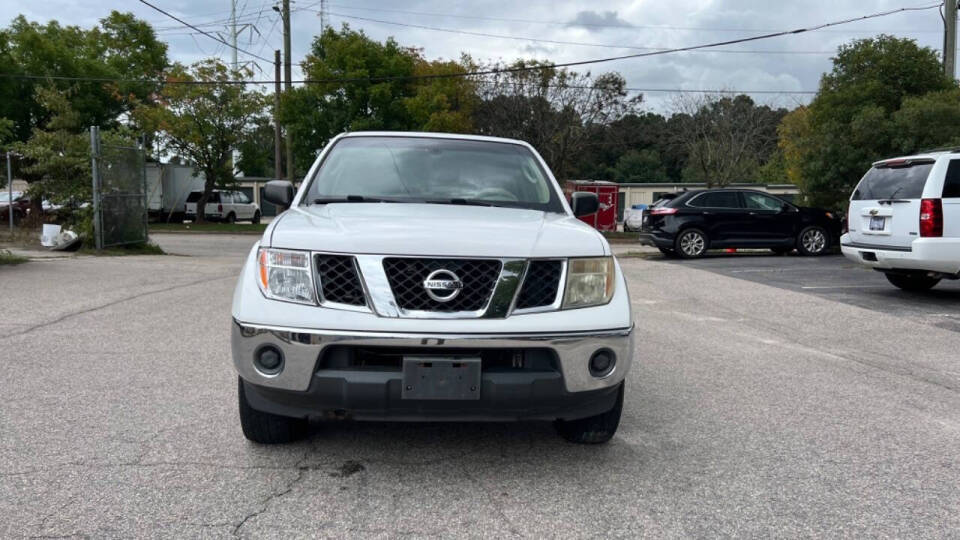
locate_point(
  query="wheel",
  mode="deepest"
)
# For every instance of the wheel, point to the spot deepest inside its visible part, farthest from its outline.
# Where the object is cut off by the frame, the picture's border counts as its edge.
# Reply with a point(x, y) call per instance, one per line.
point(691, 243)
point(256, 217)
point(668, 252)
point(813, 241)
point(231, 217)
point(265, 428)
point(913, 282)
point(593, 429)
point(781, 250)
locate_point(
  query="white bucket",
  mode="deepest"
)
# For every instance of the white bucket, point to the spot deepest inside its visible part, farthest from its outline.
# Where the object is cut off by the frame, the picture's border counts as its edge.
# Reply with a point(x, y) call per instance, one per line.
point(48, 237)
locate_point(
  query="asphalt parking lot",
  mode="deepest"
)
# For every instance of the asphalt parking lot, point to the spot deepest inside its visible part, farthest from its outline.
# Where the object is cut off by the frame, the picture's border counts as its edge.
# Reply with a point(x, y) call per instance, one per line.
point(756, 407)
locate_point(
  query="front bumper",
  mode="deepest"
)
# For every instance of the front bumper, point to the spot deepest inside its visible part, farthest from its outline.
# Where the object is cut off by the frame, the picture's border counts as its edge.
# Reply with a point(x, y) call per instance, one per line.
point(302, 350)
point(941, 255)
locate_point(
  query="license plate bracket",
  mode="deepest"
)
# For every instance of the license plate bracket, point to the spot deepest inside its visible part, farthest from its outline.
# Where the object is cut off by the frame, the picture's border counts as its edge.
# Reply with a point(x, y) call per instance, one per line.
point(431, 377)
point(877, 223)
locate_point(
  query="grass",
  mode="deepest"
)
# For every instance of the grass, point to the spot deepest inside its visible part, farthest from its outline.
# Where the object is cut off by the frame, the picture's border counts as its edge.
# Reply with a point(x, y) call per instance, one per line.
point(130, 249)
point(234, 228)
point(7, 258)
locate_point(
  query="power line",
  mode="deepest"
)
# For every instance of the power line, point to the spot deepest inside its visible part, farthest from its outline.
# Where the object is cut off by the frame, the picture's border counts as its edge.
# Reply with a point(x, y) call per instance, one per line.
point(559, 42)
point(498, 71)
point(589, 25)
point(209, 35)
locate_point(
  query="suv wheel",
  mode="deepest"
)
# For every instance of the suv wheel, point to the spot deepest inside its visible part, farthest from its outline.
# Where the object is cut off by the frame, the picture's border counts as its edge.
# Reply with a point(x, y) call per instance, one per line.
point(256, 217)
point(593, 429)
point(691, 244)
point(265, 428)
point(813, 241)
point(913, 282)
point(231, 217)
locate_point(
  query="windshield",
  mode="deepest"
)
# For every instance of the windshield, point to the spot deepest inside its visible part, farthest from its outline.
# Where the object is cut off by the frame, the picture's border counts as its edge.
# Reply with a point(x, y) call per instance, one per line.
point(893, 182)
point(423, 169)
point(5, 196)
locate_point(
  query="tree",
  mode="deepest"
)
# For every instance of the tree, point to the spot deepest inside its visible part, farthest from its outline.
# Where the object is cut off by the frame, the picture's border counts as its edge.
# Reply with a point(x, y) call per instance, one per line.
point(121, 47)
point(640, 166)
point(203, 122)
point(256, 148)
point(854, 119)
point(555, 110)
point(393, 100)
point(726, 139)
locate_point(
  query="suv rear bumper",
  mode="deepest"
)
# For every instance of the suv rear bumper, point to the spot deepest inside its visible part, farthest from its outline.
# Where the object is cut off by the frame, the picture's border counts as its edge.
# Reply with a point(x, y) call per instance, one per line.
point(304, 387)
point(655, 239)
point(941, 255)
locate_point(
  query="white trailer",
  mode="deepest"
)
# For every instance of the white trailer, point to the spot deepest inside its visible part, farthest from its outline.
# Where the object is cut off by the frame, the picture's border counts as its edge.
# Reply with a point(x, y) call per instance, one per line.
point(168, 185)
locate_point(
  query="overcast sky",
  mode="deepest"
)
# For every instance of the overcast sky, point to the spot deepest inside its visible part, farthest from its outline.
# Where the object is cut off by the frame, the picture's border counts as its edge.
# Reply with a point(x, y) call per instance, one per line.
point(789, 63)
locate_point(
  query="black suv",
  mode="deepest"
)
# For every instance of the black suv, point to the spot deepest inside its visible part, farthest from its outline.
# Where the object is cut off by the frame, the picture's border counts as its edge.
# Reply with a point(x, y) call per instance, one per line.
point(693, 222)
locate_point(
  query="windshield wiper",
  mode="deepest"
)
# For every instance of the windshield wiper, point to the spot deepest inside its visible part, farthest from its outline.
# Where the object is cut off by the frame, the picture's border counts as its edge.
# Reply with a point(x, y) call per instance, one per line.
point(349, 199)
point(461, 201)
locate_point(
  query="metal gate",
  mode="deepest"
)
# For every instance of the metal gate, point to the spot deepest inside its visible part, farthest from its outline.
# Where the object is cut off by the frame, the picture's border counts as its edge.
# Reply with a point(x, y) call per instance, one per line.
point(119, 193)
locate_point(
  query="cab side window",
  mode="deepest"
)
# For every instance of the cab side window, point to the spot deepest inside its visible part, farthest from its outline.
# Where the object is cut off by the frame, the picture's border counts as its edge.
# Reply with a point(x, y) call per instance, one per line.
point(951, 184)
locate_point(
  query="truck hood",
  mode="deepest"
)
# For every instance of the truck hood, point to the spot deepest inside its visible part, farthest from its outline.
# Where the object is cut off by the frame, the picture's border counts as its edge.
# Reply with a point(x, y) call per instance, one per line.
point(434, 230)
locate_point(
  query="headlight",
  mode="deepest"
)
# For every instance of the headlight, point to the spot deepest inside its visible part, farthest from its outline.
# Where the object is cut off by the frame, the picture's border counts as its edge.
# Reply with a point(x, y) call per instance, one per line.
point(590, 282)
point(285, 275)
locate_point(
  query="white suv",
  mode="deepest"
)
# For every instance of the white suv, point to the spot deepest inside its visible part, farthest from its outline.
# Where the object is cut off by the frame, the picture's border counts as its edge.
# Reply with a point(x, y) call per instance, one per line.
point(904, 220)
point(228, 206)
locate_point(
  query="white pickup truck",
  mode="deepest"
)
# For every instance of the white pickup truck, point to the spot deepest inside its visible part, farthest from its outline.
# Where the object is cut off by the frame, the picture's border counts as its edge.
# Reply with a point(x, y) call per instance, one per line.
point(904, 220)
point(421, 276)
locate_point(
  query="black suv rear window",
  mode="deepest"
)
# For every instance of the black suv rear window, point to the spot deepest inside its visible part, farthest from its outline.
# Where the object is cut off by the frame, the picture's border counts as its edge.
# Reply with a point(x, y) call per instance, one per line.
point(893, 182)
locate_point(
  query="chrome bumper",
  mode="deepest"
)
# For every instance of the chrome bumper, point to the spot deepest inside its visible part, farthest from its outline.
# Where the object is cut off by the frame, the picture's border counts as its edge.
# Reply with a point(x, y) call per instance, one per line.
point(302, 348)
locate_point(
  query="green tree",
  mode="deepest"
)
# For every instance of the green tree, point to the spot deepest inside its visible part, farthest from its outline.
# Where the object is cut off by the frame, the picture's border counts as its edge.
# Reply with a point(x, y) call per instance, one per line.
point(317, 112)
point(203, 122)
point(640, 166)
point(853, 119)
point(928, 121)
point(256, 148)
point(121, 47)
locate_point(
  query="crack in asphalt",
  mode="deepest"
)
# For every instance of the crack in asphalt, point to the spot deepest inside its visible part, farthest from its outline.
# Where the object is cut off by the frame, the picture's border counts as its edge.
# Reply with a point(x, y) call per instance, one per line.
point(72, 314)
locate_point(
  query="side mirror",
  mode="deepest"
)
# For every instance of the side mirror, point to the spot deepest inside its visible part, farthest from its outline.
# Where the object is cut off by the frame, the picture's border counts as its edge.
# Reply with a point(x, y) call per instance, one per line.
point(279, 192)
point(786, 208)
point(584, 203)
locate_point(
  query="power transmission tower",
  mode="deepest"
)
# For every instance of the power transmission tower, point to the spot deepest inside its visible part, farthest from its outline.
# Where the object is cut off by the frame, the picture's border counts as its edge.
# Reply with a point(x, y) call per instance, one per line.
point(287, 76)
point(950, 38)
point(233, 35)
point(324, 15)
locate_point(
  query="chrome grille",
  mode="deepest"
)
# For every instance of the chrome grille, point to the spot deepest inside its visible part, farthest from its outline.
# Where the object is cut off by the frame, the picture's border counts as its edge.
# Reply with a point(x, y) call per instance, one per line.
point(406, 277)
point(339, 281)
point(540, 285)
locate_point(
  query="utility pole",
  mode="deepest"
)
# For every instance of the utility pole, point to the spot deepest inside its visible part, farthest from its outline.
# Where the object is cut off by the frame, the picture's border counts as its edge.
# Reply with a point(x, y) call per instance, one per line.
point(277, 154)
point(287, 77)
point(10, 191)
point(950, 38)
point(233, 34)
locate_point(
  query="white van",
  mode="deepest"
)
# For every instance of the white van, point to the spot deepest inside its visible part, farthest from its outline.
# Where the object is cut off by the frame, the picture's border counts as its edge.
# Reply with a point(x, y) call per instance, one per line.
point(228, 206)
point(904, 220)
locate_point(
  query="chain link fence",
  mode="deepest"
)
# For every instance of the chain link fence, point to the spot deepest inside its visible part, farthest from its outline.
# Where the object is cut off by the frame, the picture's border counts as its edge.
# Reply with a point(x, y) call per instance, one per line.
point(119, 193)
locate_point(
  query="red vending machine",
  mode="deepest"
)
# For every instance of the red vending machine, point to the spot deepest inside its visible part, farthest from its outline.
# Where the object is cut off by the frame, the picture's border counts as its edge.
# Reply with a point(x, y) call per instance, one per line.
point(607, 192)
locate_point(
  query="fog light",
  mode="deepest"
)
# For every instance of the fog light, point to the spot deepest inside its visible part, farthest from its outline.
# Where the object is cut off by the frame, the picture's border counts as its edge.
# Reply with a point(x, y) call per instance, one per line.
point(602, 363)
point(268, 360)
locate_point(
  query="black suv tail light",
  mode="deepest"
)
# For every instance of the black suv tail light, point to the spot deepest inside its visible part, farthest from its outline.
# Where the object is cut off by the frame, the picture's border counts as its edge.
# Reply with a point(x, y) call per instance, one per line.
point(663, 211)
point(931, 218)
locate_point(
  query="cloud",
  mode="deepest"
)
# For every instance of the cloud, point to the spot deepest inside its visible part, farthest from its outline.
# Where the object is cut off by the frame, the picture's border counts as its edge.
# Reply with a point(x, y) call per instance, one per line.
point(595, 21)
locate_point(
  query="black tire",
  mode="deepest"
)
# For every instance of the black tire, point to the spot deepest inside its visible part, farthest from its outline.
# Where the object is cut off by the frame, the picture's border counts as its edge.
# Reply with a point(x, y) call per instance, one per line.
point(691, 244)
point(256, 217)
point(781, 250)
point(813, 241)
point(667, 252)
point(593, 429)
point(913, 282)
point(231, 218)
point(266, 428)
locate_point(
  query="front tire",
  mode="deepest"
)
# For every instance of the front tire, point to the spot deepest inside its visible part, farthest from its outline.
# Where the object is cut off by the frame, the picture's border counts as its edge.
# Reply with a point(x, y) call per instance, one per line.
point(231, 217)
point(691, 244)
point(593, 429)
point(913, 282)
point(813, 241)
point(256, 217)
point(266, 428)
